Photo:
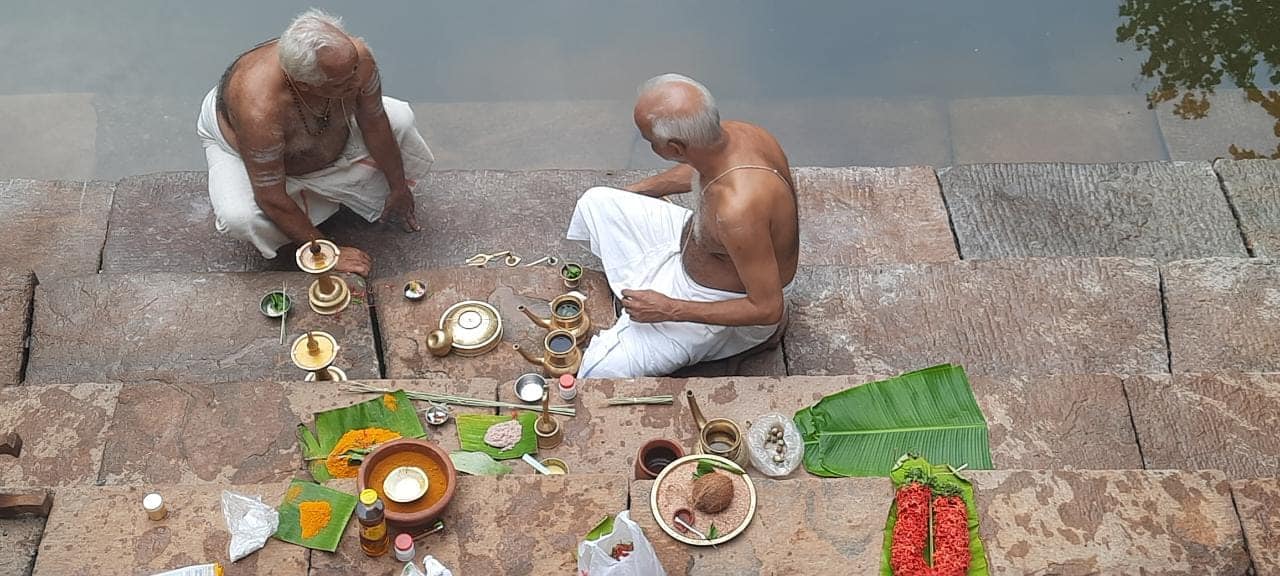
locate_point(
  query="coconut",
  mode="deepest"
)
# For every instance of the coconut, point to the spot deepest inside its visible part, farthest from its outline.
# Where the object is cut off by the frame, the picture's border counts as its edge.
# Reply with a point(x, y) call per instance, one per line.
point(712, 492)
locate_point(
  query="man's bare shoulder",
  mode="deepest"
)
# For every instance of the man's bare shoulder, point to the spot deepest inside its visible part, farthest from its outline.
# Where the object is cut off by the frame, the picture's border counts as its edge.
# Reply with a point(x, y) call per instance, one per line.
point(256, 93)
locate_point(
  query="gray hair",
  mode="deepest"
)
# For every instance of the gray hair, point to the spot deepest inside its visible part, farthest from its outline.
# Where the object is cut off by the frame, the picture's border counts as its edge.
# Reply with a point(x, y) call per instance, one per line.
point(307, 34)
point(699, 129)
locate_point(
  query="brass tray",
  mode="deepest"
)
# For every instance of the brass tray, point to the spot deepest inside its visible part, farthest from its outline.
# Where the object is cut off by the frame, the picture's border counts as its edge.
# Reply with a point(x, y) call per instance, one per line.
point(475, 327)
point(671, 492)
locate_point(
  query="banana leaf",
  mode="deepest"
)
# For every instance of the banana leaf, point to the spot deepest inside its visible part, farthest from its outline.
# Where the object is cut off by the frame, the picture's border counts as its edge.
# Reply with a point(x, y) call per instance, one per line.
point(478, 464)
point(394, 411)
point(863, 430)
point(940, 476)
point(290, 527)
point(471, 429)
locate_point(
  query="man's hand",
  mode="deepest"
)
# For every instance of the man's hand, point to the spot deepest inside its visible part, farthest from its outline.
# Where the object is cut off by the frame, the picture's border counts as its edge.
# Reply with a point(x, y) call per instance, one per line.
point(353, 261)
point(648, 306)
point(400, 208)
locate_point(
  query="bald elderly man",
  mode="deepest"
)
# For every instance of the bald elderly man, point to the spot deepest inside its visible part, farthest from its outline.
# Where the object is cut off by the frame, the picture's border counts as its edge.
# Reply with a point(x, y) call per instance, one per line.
point(297, 128)
point(695, 285)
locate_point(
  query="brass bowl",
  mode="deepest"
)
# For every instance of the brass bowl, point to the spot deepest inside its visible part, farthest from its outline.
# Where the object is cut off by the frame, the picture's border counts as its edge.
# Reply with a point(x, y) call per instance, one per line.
point(475, 327)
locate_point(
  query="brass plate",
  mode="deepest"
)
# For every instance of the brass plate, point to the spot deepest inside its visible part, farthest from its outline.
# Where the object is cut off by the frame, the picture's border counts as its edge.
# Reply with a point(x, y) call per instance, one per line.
point(304, 359)
point(661, 501)
point(476, 327)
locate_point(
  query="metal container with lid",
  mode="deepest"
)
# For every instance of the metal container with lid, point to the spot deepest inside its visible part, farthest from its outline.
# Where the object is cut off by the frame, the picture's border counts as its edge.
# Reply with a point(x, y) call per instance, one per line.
point(475, 327)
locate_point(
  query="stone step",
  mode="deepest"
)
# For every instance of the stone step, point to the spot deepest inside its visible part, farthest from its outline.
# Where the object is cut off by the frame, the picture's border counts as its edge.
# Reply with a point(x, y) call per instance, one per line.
point(1254, 189)
point(1032, 521)
point(53, 227)
point(850, 215)
point(1223, 315)
point(171, 327)
point(1161, 210)
point(15, 319)
point(995, 317)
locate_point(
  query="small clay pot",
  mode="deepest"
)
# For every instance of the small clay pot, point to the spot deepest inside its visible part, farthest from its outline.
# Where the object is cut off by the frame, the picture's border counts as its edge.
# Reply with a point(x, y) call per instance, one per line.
point(655, 455)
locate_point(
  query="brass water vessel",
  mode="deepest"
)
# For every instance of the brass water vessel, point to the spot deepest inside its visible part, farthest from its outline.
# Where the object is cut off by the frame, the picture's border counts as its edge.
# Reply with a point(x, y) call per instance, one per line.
point(561, 354)
point(568, 312)
point(718, 436)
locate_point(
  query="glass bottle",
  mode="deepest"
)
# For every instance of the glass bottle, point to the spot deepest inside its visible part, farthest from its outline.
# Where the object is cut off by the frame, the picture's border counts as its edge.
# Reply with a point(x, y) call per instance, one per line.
point(373, 525)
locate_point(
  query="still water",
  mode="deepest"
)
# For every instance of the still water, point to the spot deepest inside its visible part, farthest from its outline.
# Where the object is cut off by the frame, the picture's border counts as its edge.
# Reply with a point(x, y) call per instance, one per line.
point(842, 81)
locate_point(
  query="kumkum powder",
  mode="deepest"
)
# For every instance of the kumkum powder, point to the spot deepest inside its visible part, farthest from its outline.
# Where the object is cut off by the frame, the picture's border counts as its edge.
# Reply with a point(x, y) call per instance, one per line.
point(390, 402)
point(313, 516)
point(339, 465)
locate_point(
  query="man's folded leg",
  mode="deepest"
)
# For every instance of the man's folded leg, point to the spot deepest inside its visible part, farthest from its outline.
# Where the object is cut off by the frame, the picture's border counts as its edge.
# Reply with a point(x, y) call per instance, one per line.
point(635, 349)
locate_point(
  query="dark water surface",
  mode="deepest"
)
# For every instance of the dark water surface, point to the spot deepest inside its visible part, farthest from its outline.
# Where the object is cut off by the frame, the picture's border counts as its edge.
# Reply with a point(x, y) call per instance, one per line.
point(147, 64)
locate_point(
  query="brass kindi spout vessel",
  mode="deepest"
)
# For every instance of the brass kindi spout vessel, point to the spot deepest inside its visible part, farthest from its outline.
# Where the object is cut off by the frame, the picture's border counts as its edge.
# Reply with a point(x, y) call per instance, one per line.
point(568, 313)
point(561, 354)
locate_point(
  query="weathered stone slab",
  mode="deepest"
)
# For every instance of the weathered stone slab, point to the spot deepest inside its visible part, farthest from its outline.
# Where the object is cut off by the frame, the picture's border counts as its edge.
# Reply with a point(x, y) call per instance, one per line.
point(1223, 315)
point(1054, 129)
point(463, 213)
point(47, 136)
point(872, 215)
point(405, 324)
point(1230, 120)
point(1208, 421)
point(145, 131)
point(1166, 211)
point(15, 314)
point(103, 531)
point(528, 135)
point(305, 400)
point(764, 363)
point(1254, 189)
point(1109, 522)
point(995, 317)
point(62, 430)
point(1034, 421)
point(1258, 503)
point(55, 228)
point(164, 223)
point(242, 433)
point(168, 327)
point(509, 525)
point(22, 539)
point(805, 526)
point(603, 439)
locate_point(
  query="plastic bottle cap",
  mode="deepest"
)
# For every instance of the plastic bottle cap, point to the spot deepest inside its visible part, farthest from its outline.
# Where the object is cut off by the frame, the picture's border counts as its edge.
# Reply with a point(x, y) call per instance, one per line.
point(566, 381)
point(404, 542)
point(152, 502)
point(368, 496)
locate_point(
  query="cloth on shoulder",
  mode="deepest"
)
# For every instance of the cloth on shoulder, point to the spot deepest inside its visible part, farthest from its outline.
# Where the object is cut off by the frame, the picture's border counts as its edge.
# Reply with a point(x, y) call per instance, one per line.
point(354, 180)
point(637, 238)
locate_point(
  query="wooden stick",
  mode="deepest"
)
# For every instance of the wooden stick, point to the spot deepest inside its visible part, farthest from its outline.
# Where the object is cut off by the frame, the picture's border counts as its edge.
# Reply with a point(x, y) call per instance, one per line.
point(37, 503)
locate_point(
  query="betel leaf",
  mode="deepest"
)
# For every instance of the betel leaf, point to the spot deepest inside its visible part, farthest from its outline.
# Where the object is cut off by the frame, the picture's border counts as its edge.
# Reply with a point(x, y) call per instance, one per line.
point(942, 479)
point(604, 528)
point(478, 464)
point(707, 466)
point(713, 532)
point(863, 430)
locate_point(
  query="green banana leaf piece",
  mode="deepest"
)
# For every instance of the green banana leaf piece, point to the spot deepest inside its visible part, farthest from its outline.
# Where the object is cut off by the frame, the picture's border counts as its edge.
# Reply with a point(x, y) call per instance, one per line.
point(863, 430)
point(478, 464)
point(471, 429)
point(399, 416)
point(290, 527)
point(941, 476)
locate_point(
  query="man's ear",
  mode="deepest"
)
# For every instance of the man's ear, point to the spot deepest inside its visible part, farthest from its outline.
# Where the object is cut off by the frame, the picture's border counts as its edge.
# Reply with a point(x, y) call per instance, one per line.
point(678, 146)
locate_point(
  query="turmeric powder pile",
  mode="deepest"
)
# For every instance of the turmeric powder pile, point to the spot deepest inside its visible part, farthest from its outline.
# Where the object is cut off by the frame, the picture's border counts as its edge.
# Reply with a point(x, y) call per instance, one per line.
point(313, 516)
point(339, 464)
point(390, 402)
point(293, 493)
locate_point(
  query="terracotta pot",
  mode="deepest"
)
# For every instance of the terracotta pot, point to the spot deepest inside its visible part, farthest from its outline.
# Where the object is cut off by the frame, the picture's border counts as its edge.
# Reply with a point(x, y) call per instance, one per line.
point(421, 517)
point(659, 447)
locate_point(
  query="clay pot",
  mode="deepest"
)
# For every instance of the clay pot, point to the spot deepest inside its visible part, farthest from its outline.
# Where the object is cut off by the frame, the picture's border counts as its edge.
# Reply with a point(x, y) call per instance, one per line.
point(422, 516)
point(652, 453)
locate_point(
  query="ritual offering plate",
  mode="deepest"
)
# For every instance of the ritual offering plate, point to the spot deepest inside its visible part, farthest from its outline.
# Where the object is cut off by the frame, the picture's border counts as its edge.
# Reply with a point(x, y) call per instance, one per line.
point(380, 467)
point(675, 492)
point(415, 290)
point(476, 327)
point(314, 350)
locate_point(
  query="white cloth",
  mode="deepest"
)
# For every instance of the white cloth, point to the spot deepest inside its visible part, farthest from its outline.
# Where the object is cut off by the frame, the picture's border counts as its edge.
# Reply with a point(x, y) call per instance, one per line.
point(354, 180)
point(638, 240)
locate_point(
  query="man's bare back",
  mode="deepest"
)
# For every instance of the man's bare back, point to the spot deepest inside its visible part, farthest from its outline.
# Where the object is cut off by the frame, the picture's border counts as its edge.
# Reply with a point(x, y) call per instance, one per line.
point(255, 87)
point(752, 198)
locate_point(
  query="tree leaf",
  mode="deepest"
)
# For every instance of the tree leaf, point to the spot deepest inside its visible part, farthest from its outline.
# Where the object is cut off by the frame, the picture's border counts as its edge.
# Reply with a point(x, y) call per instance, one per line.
point(478, 464)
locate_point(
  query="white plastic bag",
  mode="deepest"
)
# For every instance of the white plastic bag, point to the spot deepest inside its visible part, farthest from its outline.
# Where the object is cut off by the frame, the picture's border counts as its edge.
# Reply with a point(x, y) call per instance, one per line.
point(434, 567)
point(762, 456)
point(201, 570)
point(250, 522)
point(595, 559)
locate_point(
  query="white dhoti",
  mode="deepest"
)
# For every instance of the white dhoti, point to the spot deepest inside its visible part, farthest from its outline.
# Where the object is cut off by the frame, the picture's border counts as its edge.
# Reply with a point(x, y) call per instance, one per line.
point(354, 180)
point(638, 240)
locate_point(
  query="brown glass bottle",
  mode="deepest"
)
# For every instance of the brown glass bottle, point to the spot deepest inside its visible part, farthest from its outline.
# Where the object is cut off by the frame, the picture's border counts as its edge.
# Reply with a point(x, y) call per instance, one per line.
point(373, 526)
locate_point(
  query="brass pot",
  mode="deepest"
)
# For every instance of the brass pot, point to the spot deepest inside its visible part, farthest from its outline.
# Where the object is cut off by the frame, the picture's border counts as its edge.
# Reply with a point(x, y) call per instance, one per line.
point(718, 436)
point(569, 313)
point(561, 354)
point(471, 327)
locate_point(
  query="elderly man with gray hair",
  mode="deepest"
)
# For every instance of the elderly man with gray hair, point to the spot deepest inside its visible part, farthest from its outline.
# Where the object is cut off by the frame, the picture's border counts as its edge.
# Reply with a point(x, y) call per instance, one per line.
point(297, 128)
point(695, 285)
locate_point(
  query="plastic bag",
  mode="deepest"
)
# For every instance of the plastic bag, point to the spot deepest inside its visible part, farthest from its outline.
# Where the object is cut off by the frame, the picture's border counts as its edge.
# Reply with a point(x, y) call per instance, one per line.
point(411, 569)
point(434, 567)
point(201, 570)
point(250, 522)
point(762, 455)
point(595, 557)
